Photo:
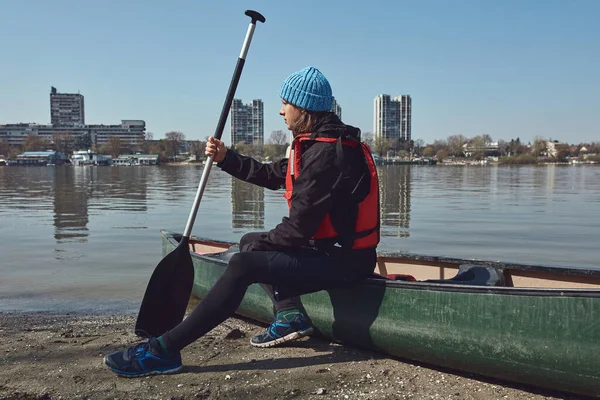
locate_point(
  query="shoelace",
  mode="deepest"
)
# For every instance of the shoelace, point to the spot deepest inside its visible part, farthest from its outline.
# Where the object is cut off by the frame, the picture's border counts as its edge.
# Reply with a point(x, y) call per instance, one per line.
point(140, 348)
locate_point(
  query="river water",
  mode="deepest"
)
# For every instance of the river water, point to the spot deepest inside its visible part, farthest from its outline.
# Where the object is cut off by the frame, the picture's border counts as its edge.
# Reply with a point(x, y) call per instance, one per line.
point(87, 238)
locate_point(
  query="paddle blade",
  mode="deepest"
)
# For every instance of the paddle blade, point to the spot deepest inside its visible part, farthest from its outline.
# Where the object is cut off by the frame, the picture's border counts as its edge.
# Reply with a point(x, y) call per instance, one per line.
point(167, 294)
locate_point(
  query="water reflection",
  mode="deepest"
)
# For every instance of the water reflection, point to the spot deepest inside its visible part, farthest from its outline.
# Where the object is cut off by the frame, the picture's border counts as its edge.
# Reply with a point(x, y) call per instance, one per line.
point(394, 187)
point(247, 205)
point(119, 188)
point(71, 193)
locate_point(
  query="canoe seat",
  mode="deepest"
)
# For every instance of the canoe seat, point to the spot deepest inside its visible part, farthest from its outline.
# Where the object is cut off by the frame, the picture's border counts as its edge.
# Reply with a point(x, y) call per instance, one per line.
point(477, 275)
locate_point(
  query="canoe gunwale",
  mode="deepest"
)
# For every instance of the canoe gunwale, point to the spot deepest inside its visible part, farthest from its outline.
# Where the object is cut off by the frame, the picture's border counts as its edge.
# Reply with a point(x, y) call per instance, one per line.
point(432, 286)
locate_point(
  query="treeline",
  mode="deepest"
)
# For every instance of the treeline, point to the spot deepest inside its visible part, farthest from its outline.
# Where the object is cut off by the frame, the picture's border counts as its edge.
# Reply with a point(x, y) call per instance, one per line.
point(478, 147)
point(173, 145)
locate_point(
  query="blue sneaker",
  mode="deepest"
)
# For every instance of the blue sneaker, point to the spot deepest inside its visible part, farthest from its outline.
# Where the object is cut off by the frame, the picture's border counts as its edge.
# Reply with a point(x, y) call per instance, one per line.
point(281, 331)
point(143, 359)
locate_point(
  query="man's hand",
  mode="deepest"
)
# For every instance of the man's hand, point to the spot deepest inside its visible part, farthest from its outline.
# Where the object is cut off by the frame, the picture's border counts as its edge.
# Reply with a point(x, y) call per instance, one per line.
point(217, 148)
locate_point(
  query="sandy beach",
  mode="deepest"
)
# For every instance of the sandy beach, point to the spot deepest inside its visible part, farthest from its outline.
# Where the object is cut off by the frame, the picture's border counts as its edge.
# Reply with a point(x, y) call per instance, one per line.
point(46, 356)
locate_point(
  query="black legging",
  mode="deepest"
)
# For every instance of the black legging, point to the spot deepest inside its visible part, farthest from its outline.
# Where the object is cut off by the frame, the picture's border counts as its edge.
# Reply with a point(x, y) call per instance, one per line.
point(279, 304)
point(292, 273)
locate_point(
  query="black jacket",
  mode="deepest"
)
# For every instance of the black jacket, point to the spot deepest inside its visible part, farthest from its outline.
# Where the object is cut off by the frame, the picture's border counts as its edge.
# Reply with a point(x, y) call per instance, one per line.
point(323, 186)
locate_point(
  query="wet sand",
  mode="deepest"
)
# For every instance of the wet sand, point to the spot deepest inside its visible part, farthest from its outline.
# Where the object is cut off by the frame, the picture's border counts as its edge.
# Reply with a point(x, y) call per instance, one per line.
point(59, 356)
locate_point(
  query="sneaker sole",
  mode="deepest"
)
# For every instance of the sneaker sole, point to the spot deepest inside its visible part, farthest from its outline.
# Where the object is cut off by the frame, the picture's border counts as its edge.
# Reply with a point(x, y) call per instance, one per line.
point(137, 375)
point(285, 339)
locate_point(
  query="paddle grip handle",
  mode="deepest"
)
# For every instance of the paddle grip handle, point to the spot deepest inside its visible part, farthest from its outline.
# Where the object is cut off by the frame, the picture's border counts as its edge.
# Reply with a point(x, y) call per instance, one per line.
point(237, 72)
point(256, 16)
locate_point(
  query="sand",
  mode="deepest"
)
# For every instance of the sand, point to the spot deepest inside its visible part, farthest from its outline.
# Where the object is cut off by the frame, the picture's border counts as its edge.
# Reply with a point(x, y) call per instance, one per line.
point(59, 356)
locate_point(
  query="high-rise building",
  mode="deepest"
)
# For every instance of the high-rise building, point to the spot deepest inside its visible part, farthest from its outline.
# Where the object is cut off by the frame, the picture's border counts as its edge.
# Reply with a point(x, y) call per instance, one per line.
point(66, 109)
point(336, 109)
point(392, 119)
point(247, 122)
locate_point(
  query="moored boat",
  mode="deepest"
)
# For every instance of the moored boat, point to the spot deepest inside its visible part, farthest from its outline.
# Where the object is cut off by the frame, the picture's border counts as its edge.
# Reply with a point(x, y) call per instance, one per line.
point(531, 324)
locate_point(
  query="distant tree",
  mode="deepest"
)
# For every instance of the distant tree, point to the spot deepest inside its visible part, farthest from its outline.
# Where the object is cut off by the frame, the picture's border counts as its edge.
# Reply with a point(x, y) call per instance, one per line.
point(160, 149)
point(515, 147)
point(477, 146)
point(4, 148)
point(14, 151)
point(406, 145)
point(146, 141)
point(562, 155)
point(197, 149)
point(113, 146)
point(83, 142)
point(503, 147)
point(394, 144)
point(428, 151)
point(439, 145)
point(63, 142)
point(441, 155)
point(174, 139)
point(381, 145)
point(478, 142)
point(539, 147)
point(241, 148)
point(418, 146)
point(34, 142)
point(278, 137)
point(455, 144)
point(274, 152)
point(254, 151)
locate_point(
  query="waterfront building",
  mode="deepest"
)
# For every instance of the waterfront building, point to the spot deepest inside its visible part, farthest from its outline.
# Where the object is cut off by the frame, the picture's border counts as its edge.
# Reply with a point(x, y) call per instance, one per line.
point(136, 159)
point(553, 147)
point(130, 132)
point(392, 117)
point(336, 109)
point(39, 158)
point(66, 109)
point(491, 149)
point(247, 122)
point(88, 157)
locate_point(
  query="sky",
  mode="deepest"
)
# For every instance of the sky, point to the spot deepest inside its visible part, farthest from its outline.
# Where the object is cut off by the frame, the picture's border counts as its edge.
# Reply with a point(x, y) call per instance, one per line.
point(511, 68)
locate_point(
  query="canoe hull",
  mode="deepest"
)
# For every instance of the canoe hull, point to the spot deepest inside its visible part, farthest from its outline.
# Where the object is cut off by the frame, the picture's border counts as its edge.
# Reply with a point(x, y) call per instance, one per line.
point(546, 340)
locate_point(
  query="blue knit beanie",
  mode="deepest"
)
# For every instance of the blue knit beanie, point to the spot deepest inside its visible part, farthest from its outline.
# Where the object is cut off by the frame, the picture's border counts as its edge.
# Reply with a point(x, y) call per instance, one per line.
point(308, 89)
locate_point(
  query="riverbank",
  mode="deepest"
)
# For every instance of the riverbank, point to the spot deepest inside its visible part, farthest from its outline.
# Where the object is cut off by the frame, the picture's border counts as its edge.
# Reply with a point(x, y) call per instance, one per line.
point(47, 356)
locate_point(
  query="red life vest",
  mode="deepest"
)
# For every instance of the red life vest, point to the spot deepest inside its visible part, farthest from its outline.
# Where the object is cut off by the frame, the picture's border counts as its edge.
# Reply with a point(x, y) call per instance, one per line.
point(366, 233)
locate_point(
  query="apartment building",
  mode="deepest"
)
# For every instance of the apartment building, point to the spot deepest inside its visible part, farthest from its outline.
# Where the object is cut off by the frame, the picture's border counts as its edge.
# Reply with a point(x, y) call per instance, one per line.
point(392, 117)
point(66, 109)
point(247, 122)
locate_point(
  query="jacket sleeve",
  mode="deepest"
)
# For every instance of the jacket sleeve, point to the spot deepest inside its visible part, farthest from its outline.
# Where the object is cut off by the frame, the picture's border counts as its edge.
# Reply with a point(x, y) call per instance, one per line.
point(270, 176)
point(312, 197)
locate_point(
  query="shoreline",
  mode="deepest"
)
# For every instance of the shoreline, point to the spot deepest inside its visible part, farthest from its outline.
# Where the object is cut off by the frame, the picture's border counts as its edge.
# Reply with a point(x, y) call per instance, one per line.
point(47, 356)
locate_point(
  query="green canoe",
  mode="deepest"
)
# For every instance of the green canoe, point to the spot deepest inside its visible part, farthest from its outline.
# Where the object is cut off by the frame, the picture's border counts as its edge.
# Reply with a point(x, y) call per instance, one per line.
point(530, 324)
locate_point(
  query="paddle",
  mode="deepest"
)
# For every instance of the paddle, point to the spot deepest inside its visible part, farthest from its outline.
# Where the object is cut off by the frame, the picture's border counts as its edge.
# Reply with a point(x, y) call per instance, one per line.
point(170, 285)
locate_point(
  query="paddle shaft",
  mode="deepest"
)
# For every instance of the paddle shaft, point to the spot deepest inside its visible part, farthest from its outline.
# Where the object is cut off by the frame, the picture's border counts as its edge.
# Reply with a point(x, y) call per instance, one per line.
point(223, 118)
